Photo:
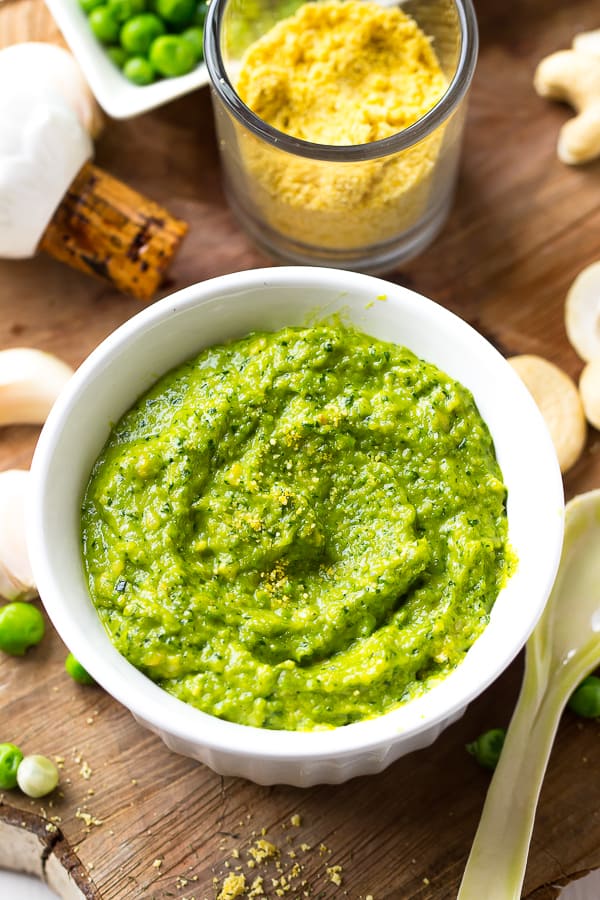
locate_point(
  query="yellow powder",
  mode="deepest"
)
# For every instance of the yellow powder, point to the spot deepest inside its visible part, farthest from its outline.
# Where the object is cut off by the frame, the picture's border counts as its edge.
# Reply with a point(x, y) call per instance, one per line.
point(263, 850)
point(341, 73)
point(233, 886)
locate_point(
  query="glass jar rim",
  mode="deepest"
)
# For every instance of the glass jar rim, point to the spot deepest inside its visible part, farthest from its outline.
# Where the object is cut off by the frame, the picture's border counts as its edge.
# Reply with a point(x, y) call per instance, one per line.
point(395, 143)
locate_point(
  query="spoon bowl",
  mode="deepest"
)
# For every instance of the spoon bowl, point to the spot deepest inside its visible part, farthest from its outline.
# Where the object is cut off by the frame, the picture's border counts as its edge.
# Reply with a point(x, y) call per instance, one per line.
point(572, 622)
point(562, 650)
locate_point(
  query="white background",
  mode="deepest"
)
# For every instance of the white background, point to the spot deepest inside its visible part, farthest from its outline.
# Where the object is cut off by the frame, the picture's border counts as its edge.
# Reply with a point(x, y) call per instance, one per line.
point(21, 887)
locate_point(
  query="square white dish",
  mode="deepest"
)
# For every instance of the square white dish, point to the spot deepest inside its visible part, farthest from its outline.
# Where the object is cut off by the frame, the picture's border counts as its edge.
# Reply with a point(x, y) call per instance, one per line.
point(117, 96)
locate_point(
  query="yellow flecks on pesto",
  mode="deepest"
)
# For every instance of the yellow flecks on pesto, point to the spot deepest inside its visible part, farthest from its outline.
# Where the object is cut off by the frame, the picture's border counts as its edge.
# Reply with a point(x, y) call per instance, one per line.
point(297, 530)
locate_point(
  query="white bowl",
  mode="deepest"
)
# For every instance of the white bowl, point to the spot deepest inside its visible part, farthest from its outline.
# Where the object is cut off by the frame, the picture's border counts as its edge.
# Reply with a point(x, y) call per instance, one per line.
point(116, 95)
point(178, 327)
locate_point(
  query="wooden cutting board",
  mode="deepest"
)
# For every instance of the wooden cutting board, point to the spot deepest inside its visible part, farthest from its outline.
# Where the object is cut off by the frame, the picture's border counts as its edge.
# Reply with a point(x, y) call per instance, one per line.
point(132, 819)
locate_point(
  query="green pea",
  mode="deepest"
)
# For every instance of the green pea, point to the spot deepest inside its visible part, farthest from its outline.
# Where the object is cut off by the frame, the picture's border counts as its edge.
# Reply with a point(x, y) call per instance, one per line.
point(178, 13)
point(171, 55)
point(21, 626)
point(123, 10)
point(104, 25)
point(487, 748)
point(74, 668)
point(88, 5)
point(139, 32)
point(585, 700)
point(10, 759)
point(37, 776)
point(139, 70)
point(118, 56)
point(200, 14)
point(194, 37)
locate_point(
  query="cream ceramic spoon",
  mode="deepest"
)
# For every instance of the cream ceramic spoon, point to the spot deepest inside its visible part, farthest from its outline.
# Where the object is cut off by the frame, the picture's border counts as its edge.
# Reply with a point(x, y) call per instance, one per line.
point(562, 650)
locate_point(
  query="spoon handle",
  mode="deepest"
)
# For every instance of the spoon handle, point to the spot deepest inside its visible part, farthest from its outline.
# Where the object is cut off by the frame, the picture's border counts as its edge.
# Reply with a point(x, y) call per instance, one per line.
point(496, 865)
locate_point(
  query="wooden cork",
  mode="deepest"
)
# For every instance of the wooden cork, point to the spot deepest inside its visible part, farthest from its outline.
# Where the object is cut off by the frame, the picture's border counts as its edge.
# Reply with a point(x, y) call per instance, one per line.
point(106, 229)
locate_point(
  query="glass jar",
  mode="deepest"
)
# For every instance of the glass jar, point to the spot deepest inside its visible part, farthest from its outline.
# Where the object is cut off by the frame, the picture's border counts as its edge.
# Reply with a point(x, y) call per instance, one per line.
point(364, 206)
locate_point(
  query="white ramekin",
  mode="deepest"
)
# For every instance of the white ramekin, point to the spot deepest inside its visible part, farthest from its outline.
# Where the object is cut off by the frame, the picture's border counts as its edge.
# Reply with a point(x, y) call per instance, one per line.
point(178, 327)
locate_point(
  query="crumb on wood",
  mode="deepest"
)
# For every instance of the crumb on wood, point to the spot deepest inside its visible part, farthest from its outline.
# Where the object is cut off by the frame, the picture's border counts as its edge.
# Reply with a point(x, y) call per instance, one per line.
point(87, 818)
point(233, 886)
point(335, 874)
point(263, 849)
point(266, 871)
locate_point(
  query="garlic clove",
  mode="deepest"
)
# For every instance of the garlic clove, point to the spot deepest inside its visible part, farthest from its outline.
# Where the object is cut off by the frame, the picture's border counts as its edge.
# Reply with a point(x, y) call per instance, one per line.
point(582, 313)
point(16, 577)
point(30, 382)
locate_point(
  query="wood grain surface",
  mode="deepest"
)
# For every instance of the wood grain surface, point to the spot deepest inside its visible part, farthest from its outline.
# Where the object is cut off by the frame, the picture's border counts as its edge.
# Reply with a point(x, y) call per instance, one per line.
point(146, 823)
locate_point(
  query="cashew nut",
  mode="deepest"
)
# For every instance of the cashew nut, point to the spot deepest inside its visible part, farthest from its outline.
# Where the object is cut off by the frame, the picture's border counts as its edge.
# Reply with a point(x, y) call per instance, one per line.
point(16, 577)
point(30, 382)
point(574, 76)
point(559, 402)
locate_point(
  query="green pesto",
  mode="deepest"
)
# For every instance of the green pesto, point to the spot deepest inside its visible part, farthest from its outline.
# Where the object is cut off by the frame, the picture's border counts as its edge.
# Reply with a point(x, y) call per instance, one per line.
point(297, 530)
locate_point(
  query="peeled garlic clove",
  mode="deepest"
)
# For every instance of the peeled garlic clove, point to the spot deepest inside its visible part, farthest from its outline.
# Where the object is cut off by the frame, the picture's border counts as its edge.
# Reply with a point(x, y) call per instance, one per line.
point(16, 577)
point(582, 313)
point(30, 382)
point(559, 402)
